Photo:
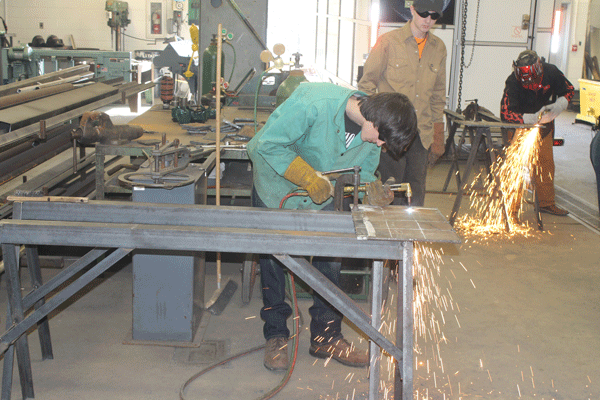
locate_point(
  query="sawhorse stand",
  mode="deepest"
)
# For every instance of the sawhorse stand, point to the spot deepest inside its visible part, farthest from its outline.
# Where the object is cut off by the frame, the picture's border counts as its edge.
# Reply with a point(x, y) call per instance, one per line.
point(480, 134)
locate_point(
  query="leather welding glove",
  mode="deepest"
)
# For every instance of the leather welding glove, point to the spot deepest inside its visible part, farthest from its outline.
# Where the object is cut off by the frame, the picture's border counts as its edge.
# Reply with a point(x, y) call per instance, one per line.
point(437, 147)
point(553, 110)
point(532, 119)
point(378, 194)
point(300, 173)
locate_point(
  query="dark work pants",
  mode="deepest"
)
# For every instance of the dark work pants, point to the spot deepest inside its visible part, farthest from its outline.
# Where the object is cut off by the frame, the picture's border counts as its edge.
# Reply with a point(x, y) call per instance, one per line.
point(410, 168)
point(595, 157)
point(326, 321)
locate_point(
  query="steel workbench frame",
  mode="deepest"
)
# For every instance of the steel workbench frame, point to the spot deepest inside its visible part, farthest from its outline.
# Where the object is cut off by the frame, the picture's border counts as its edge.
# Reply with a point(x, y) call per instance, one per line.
point(114, 229)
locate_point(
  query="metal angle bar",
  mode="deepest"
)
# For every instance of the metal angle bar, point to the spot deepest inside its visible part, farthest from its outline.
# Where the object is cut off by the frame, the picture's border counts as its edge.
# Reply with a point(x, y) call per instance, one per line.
point(15, 301)
point(190, 215)
point(35, 273)
point(337, 298)
point(403, 385)
point(9, 362)
point(28, 301)
point(21, 327)
point(229, 240)
point(48, 107)
point(24, 133)
point(375, 351)
point(51, 177)
point(465, 178)
point(31, 298)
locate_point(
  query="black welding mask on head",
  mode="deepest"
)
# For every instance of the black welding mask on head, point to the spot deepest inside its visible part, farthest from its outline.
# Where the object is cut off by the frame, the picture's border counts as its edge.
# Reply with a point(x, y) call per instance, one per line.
point(528, 70)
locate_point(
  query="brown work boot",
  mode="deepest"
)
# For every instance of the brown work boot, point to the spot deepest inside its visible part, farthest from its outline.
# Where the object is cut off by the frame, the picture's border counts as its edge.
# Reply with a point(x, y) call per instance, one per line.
point(554, 210)
point(276, 355)
point(342, 351)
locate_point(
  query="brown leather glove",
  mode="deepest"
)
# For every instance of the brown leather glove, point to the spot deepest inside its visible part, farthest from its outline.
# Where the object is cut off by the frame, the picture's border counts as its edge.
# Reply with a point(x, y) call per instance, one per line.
point(437, 147)
point(378, 194)
point(300, 173)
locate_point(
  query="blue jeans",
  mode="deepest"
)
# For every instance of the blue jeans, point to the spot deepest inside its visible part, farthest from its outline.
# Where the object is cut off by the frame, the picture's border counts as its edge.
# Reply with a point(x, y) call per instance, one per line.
point(326, 321)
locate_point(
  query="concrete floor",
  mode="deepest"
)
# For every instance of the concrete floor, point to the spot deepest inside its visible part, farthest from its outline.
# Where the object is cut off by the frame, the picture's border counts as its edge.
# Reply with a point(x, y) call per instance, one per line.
point(515, 319)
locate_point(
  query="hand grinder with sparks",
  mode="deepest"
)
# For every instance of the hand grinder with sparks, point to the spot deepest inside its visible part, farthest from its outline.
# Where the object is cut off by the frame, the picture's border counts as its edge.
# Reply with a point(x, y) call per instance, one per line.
point(539, 124)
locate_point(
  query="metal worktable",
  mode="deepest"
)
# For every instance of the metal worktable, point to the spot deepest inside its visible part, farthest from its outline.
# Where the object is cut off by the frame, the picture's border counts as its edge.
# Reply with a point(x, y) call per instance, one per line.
point(114, 229)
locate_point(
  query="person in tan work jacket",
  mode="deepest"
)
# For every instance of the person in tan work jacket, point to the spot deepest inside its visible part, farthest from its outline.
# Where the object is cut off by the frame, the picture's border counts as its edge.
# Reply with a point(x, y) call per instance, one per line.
point(412, 61)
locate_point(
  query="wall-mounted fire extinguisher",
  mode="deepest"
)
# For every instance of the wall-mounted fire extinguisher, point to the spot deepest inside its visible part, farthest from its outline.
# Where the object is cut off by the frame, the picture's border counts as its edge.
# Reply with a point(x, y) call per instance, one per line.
point(156, 23)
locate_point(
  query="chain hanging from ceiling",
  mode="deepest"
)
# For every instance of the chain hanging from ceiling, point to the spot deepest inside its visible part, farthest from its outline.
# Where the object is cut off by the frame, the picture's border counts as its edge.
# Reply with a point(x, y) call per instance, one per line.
point(463, 33)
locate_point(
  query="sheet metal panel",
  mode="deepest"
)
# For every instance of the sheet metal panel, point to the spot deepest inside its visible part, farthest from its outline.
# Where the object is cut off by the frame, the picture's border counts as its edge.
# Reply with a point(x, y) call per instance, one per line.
point(402, 223)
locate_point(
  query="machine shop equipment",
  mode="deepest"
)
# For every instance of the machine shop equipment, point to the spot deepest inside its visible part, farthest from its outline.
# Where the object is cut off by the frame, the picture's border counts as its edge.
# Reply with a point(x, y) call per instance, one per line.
point(118, 18)
point(165, 281)
point(24, 62)
point(165, 168)
point(176, 57)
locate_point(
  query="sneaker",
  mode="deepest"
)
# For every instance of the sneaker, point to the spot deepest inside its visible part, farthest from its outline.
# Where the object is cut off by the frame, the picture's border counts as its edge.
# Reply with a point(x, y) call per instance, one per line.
point(554, 210)
point(276, 355)
point(342, 351)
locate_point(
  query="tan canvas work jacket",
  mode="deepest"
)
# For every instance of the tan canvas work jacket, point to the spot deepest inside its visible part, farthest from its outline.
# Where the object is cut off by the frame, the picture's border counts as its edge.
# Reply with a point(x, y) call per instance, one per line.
point(394, 66)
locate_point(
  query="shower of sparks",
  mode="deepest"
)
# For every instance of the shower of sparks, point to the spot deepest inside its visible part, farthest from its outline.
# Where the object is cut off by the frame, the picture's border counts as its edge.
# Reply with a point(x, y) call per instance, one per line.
point(504, 187)
point(431, 306)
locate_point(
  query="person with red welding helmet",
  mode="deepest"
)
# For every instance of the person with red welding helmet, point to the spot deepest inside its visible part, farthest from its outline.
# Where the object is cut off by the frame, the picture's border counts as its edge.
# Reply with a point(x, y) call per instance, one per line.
point(320, 127)
point(536, 93)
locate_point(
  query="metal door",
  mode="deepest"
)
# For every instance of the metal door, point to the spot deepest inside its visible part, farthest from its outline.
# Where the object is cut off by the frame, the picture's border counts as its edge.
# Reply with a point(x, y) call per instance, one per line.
point(494, 34)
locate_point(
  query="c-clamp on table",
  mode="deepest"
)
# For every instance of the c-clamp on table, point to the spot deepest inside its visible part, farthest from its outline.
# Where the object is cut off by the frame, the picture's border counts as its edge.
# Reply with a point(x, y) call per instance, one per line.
point(115, 229)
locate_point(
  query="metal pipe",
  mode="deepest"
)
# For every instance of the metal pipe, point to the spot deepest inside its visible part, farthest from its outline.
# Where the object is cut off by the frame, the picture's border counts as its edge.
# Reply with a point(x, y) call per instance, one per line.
point(19, 98)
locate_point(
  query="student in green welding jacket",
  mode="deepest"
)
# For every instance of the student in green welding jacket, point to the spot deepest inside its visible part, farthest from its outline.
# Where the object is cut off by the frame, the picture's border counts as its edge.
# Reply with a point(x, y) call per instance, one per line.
point(321, 127)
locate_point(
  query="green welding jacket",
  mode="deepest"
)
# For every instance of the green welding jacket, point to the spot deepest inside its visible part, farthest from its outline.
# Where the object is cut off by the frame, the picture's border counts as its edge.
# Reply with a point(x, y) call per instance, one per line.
point(309, 124)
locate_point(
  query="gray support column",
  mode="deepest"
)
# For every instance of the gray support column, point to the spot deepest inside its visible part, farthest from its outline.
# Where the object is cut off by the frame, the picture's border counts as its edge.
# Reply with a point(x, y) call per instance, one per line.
point(404, 327)
point(375, 351)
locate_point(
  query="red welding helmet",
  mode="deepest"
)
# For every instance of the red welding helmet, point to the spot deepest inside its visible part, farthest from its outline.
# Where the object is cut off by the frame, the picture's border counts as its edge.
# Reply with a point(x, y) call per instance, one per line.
point(528, 70)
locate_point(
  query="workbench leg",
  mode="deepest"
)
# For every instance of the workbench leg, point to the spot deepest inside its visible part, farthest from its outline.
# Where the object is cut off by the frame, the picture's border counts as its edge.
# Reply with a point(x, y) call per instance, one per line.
point(403, 385)
point(15, 301)
point(454, 169)
point(536, 204)
point(33, 265)
point(497, 188)
point(472, 154)
point(99, 175)
point(375, 351)
point(9, 361)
